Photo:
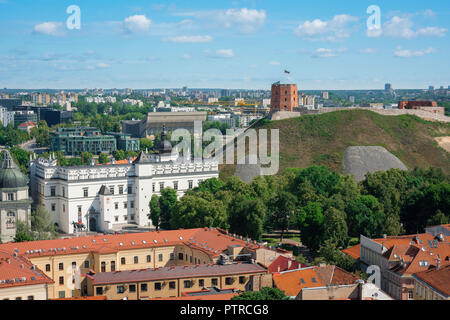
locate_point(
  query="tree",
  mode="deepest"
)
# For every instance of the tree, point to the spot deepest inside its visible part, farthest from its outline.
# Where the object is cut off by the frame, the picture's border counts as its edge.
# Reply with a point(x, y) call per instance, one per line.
point(266, 293)
point(281, 211)
point(310, 222)
point(210, 185)
point(21, 158)
point(146, 144)
point(246, 216)
point(365, 216)
point(42, 224)
point(167, 202)
point(86, 158)
point(119, 155)
point(333, 256)
point(438, 219)
point(103, 158)
point(23, 232)
point(155, 211)
point(335, 227)
point(199, 211)
point(41, 133)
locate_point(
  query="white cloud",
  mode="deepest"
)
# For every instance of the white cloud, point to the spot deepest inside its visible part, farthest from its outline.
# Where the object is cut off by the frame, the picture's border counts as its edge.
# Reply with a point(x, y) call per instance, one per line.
point(245, 20)
point(190, 39)
point(50, 28)
point(334, 29)
point(186, 56)
point(221, 53)
point(402, 27)
point(327, 53)
point(275, 63)
point(403, 53)
point(429, 13)
point(368, 51)
point(136, 24)
point(102, 65)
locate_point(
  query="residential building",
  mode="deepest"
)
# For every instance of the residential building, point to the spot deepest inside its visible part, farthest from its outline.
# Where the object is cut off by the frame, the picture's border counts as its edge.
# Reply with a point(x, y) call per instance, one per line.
point(22, 280)
point(24, 116)
point(171, 121)
point(40, 98)
point(6, 116)
point(15, 203)
point(223, 118)
point(67, 261)
point(433, 284)
point(284, 97)
point(173, 281)
point(325, 95)
point(106, 197)
point(10, 103)
point(400, 257)
point(74, 141)
point(27, 126)
point(132, 102)
point(125, 141)
point(295, 282)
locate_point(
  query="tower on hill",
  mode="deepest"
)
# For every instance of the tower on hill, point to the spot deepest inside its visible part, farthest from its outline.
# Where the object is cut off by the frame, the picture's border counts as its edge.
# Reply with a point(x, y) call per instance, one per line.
point(284, 97)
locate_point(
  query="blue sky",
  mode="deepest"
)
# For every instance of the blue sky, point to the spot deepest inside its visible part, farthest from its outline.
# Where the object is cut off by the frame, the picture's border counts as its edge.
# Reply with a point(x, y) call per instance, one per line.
point(224, 44)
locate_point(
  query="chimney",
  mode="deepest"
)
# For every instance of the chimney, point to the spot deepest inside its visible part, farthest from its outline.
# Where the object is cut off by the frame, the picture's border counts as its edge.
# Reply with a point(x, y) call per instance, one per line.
point(289, 263)
point(438, 264)
point(278, 268)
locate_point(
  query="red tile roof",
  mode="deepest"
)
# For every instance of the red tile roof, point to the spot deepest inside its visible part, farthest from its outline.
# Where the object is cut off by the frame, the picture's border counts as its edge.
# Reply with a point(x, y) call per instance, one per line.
point(222, 296)
point(27, 124)
point(439, 279)
point(18, 271)
point(353, 252)
point(292, 282)
point(211, 241)
point(283, 263)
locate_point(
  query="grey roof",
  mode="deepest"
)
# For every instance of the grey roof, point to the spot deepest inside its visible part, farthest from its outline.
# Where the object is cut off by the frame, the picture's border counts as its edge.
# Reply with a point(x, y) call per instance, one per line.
point(10, 175)
point(143, 158)
point(176, 272)
point(104, 191)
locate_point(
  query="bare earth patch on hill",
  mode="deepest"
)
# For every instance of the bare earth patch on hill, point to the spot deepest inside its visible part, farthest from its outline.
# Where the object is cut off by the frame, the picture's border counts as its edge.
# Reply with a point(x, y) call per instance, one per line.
point(444, 143)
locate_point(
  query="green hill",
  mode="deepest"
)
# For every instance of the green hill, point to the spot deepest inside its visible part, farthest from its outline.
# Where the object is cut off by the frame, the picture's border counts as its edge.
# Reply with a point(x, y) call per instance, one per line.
point(322, 139)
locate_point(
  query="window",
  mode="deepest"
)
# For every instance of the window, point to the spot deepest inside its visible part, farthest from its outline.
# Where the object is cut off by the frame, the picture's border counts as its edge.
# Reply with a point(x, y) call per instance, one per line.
point(61, 280)
point(410, 295)
point(99, 291)
point(228, 280)
point(10, 220)
point(53, 206)
point(132, 217)
point(131, 204)
point(172, 256)
point(144, 287)
point(116, 219)
point(153, 187)
point(113, 266)
point(86, 264)
point(10, 196)
point(191, 184)
point(313, 279)
point(175, 185)
point(136, 259)
point(64, 208)
point(180, 256)
point(18, 298)
point(61, 266)
point(111, 189)
point(241, 280)
point(125, 218)
point(52, 191)
point(85, 192)
point(190, 259)
point(214, 282)
point(187, 284)
point(122, 260)
point(130, 189)
point(74, 265)
point(161, 186)
point(61, 294)
point(201, 283)
point(132, 288)
point(120, 289)
point(116, 205)
point(157, 286)
point(120, 189)
point(47, 267)
point(149, 258)
point(30, 298)
point(160, 257)
point(64, 192)
point(125, 205)
point(172, 285)
point(103, 266)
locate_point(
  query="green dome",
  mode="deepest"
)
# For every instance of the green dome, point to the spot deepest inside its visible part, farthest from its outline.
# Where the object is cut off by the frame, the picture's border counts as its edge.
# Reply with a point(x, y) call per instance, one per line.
point(11, 176)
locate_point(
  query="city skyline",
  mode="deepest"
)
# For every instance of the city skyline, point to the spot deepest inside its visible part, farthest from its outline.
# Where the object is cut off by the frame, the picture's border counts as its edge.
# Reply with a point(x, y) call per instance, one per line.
point(234, 44)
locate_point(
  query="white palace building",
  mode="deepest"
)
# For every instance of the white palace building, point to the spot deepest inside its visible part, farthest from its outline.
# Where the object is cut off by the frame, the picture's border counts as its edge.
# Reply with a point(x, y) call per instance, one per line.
point(107, 197)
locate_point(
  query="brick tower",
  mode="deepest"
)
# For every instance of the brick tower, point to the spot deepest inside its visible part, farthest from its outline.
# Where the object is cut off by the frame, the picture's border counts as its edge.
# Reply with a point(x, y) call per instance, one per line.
point(284, 97)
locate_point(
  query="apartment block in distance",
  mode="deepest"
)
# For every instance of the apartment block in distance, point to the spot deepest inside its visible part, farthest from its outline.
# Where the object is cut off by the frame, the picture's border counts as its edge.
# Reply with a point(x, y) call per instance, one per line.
point(284, 97)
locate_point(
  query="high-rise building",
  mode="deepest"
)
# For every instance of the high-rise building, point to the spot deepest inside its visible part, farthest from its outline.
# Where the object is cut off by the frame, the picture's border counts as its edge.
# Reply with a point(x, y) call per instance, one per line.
point(431, 88)
point(40, 98)
point(388, 87)
point(284, 97)
point(325, 95)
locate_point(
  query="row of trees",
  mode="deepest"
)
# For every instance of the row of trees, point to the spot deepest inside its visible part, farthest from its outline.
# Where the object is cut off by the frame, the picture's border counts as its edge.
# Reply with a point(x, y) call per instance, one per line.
point(328, 208)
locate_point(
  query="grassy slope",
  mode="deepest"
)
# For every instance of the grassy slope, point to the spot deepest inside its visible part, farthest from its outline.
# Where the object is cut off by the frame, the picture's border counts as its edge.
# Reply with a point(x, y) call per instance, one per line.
point(322, 139)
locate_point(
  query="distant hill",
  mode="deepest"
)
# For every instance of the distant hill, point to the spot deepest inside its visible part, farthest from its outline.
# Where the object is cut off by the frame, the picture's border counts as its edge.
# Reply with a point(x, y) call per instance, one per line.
point(322, 139)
